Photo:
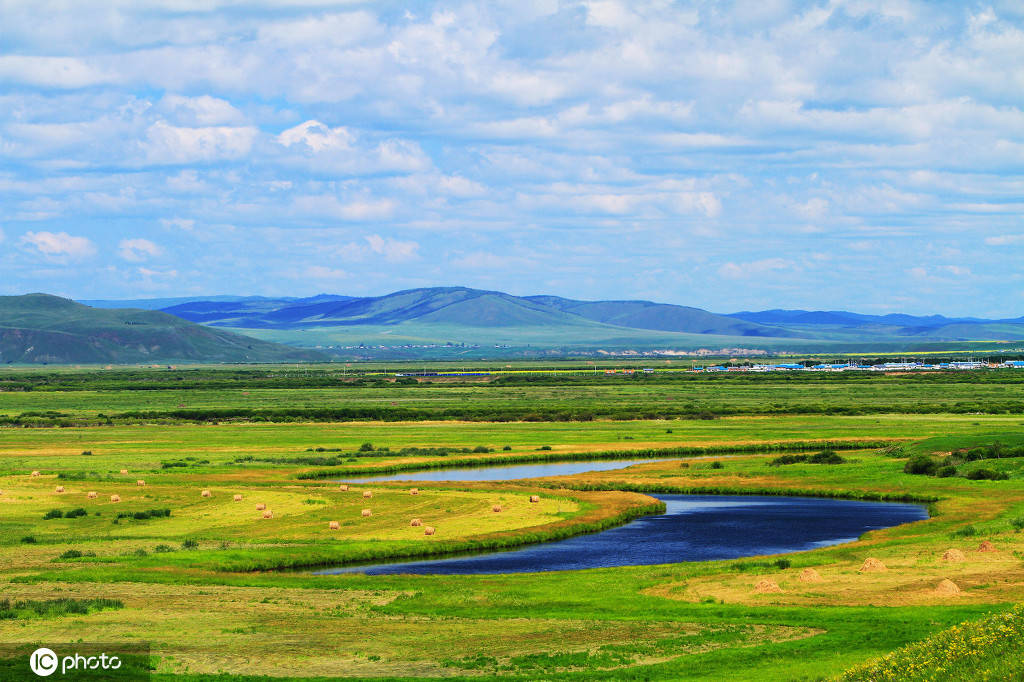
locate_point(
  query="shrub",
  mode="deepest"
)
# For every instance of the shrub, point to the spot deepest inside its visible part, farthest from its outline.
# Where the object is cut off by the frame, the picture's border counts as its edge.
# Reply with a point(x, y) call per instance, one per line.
point(366, 447)
point(826, 457)
point(717, 465)
point(481, 448)
point(29, 540)
point(71, 554)
point(161, 549)
point(86, 453)
point(140, 552)
point(544, 447)
point(1017, 523)
point(783, 564)
point(75, 513)
point(946, 471)
point(507, 448)
point(190, 544)
point(53, 514)
point(965, 532)
point(987, 475)
point(920, 465)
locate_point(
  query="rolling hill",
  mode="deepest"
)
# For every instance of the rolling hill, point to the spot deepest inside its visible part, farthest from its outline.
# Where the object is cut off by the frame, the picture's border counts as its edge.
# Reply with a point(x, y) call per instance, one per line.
point(39, 328)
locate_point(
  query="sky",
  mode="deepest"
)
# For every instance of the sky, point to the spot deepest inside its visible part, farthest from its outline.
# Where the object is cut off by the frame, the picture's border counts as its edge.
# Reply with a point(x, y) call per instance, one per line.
point(864, 155)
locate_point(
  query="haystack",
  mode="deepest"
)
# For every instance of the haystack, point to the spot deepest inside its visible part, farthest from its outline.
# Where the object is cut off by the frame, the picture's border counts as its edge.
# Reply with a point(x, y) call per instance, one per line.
point(140, 482)
point(414, 491)
point(765, 586)
point(872, 565)
point(206, 493)
point(416, 522)
point(947, 587)
point(367, 493)
point(268, 514)
point(59, 489)
point(334, 525)
point(34, 474)
point(496, 508)
point(124, 471)
point(367, 512)
point(534, 498)
point(238, 498)
point(115, 498)
point(809, 575)
point(92, 496)
point(953, 555)
point(260, 506)
point(986, 546)
point(428, 530)
point(343, 488)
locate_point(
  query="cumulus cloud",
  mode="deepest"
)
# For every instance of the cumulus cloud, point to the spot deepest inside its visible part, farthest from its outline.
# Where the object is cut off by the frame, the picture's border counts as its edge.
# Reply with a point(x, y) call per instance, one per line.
point(167, 144)
point(393, 250)
point(58, 246)
point(136, 250)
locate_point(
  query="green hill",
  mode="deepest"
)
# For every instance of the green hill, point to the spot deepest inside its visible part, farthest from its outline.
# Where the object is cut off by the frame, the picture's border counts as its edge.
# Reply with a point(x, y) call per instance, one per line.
point(39, 328)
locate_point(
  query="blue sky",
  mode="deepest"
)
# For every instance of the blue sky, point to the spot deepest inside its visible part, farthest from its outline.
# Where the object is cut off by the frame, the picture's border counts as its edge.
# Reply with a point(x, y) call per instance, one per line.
point(865, 155)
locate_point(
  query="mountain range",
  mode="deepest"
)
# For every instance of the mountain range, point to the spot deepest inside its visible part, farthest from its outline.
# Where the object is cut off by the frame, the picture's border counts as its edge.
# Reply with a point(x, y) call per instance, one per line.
point(39, 328)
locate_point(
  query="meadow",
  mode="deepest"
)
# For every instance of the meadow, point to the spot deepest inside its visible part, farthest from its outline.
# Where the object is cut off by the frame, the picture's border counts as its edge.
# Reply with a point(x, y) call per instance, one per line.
point(220, 592)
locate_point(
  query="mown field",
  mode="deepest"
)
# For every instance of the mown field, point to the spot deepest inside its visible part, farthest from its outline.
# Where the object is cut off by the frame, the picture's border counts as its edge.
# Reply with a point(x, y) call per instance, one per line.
point(219, 592)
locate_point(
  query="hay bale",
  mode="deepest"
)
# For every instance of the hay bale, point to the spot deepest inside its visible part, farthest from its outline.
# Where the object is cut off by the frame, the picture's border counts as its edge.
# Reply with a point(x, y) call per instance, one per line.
point(534, 498)
point(59, 489)
point(496, 508)
point(953, 555)
point(986, 546)
point(414, 491)
point(238, 498)
point(428, 530)
point(35, 474)
point(206, 493)
point(367, 512)
point(268, 514)
point(124, 471)
point(367, 494)
point(766, 586)
point(872, 565)
point(115, 498)
point(92, 496)
point(343, 488)
point(260, 506)
point(140, 482)
point(334, 525)
point(947, 587)
point(809, 575)
point(416, 522)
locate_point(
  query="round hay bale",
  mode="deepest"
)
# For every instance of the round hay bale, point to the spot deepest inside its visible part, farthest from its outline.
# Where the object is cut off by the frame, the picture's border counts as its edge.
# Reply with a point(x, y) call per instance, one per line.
point(367, 512)
point(59, 489)
point(260, 506)
point(986, 546)
point(206, 493)
point(534, 498)
point(124, 471)
point(947, 587)
point(809, 575)
point(872, 565)
point(766, 586)
point(416, 522)
point(496, 508)
point(115, 498)
point(268, 514)
point(140, 482)
point(334, 525)
point(953, 555)
point(92, 496)
point(343, 488)
point(367, 494)
point(428, 530)
point(238, 498)
point(35, 474)
point(414, 491)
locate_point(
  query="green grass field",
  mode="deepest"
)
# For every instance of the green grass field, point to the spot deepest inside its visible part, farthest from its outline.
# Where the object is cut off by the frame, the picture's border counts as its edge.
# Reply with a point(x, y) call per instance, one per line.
point(219, 592)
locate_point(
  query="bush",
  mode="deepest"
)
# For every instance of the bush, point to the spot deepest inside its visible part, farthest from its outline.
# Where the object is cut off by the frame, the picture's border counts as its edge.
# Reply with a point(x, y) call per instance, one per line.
point(71, 554)
point(987, 475)
point(507, 448)
point(29, 540)
point(1017, 523)
point(783, 564)
point(965, 532)
point(53, 514)
point(190, 544)
point(946, 471)
point(920, 465)
point(717, 465)
point(481, 448)
point(86, 453)
point(140, 552)
point(161, 549)
point(544, 447)
point(366, 447)
point(75, 513)
point(826, 457)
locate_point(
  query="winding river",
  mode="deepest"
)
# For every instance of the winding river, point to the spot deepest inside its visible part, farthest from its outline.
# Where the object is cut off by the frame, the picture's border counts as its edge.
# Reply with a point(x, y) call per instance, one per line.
point(693, 528)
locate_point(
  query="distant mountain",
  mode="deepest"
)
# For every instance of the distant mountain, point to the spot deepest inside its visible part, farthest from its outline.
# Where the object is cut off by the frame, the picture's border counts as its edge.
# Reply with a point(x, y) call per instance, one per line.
point(842, 317)
point(161, 303)
point(462, 306)
point(43, 328)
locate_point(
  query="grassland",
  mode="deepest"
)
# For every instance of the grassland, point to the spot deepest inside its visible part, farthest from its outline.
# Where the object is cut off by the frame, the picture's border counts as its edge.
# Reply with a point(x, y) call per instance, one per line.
point(202, 584)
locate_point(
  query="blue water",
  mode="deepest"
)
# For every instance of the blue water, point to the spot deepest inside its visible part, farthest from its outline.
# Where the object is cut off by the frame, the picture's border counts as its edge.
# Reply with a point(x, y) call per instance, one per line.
point(694, 528)
point(510, 472)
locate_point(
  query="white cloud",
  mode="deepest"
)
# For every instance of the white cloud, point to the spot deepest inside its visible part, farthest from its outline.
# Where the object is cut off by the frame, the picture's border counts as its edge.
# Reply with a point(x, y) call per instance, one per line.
point(183, 224)
point(59, 246)
point(200, 111)
point(136, 250)
point(51, 72)
point(393, 250)
point(167, 144)
point(319, 272)
point(756, 268)
point(1005, 240)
